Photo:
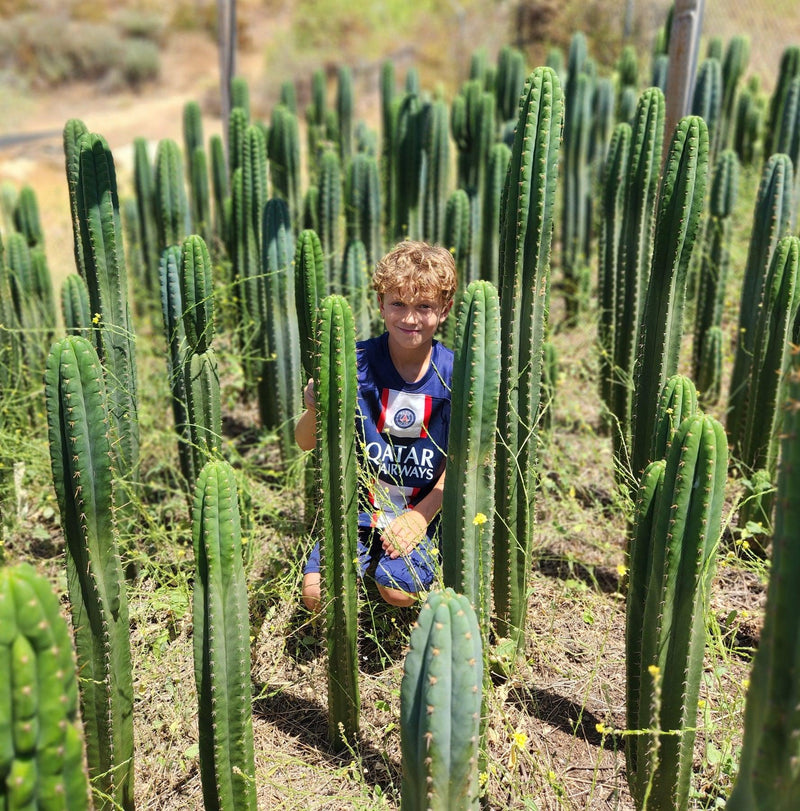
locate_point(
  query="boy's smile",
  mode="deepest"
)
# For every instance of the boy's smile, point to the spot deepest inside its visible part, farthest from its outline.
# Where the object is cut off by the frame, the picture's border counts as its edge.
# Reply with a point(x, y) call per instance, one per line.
point(411, 321)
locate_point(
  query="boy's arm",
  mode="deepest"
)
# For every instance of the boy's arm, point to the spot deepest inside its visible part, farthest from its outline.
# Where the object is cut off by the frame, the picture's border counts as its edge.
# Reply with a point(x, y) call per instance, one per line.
point(305, 432)
point(410, 527)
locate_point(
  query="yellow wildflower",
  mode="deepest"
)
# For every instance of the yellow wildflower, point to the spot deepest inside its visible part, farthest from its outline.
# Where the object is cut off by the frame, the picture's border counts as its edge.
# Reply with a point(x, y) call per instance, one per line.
point(479, 519)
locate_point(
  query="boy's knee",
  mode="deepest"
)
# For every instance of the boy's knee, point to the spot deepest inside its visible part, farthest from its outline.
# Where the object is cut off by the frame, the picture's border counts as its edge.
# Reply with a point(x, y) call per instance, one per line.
point(397, 597)
point(311, 594)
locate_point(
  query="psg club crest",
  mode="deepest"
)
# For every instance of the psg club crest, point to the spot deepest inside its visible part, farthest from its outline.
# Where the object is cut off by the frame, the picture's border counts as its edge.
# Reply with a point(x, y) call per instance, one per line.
point(404, 418)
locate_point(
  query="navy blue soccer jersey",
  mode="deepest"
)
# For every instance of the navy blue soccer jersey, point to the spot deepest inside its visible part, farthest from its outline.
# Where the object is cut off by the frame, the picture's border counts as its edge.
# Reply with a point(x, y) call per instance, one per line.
point(403, 430)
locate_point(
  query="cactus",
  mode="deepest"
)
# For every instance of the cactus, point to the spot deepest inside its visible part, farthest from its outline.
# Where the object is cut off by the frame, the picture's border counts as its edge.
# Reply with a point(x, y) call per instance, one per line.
point(767, 777)
point(309, 289)
point(789, 137)
point(329, 212)
point(197, 293)
point(315, 121)
point(80, 455)
point(771, 220)
point(707, 99)
point(144, 187)
point(709, 375)
point(220, 191)
point(175, 335)
point(26, 217)
point(75, 305)
point(172, 205)
point(41, 751)
point(614, 189)
point(388, 91)
point(437, 173)
point(774, 332)
point(716, 255)
point(440, 706)
point(491, 211)
point(335, 384)
point(192, 128)
point(681, 200)
point(509, 82)
point(749, 123)
point(74, 129)
point(237, 125)
point(458, 236)
point(283, 149)
point(200, 201)
point(344, 113)
point(362, 204)
point(670, 576)
point(734, 63)
point(788, 70)
point(677, 402)
point(355, 287)
point(221, 644)
point(408, 160)
point(278, 393)
point(469, 483)
point(529, 202)
point(637, 235)
point(104, 267)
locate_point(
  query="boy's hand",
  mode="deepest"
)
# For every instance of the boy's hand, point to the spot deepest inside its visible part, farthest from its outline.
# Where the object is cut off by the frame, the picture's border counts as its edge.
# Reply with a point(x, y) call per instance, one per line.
point(404, 533)
point(309, 398)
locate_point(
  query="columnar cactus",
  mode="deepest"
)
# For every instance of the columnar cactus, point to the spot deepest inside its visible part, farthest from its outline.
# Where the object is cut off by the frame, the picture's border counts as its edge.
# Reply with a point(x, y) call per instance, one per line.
point(80, 455)
point(707, 99)
point(75, 305)
point(681, 201)
point(74, 129)
point(335, 384)
point(280, 385)
point(771, 218)
point(41, 750)
point(309, 288)
point(344, 113)
point(529, 205)
point(737, 55)
point(200, 193)
point(509, 82)
point(788, 70)
point(283, 149)
point(144, 187)
point(222, 644)
point(437, 174)
point(716, 255)
point(677, 402)
point(355, 286)
point(103, 263)
point(172, 205)
point(440, 706)
point(709, 376)
point(468, 503)
point(634, 274)
point(491, 212)
point(767, 777)
point(670, 576)
point(329, 212)
point(362, 205)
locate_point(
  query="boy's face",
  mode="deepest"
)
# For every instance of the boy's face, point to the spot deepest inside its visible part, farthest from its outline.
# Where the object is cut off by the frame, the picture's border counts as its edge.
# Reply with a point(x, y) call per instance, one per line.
point(411, 321)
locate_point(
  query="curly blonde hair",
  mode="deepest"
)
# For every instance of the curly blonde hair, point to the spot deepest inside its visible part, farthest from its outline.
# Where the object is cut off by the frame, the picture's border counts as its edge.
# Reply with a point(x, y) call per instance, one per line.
point(422, 269)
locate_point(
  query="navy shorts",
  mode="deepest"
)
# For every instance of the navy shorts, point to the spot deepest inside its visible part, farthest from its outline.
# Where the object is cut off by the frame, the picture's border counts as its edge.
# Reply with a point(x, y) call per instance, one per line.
point(412, 573)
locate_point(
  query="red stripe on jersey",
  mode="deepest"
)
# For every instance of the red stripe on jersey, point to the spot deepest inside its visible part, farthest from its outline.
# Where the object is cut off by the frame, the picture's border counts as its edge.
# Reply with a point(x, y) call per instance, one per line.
point(384, 406)
point(423, 431)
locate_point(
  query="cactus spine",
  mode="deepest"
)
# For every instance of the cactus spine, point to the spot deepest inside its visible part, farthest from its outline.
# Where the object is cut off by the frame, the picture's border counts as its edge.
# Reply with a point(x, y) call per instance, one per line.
point(681, 200)
point(335, 384)
point(221, 644)
point(767, 776)
point(440, 706)
point(469, 484)
point(80, 455)
point(670, 575)
point(41, 750)
point(529, 202)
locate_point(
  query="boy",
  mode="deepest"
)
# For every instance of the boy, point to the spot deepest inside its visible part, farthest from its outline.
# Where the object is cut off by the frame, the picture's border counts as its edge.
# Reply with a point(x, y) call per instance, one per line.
point(403, 418)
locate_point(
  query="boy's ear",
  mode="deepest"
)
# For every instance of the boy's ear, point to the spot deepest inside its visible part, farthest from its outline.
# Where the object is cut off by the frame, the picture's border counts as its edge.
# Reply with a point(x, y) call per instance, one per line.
point(448, 305)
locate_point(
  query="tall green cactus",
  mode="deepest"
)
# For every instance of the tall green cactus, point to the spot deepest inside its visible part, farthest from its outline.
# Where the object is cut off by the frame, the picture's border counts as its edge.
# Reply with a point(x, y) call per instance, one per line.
point(362, 205)
point(104, 265)
point(355, 286)
point(677, 402)
point(528, 210)
point(175, 337)
point(634, 270)
point(468, 503)
point(172, 204)
point(709, 375)
point(509, 82)
point(771, 219)
point(26, 217)
point(192, 128)
point(734, 63)
point(707, 99)
point(75, 306)
point(74, 129)
point(329, 212)
point(283, 150)
point(767, 777)
point(310, 289)
point(715, 261)
point(335, 384)
point(789, 68)
point(440, 706)
point(80, 455)
point(144, 187)
point(614, 189)
point(221, 644)
point(200, 193)
point(408, 160)
point(344, 113)
point(681, 201)
point(437, 174)
point(280, 386)
point(220, 191)
point(670, 576)
point(491, 212)
point(41, 750)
